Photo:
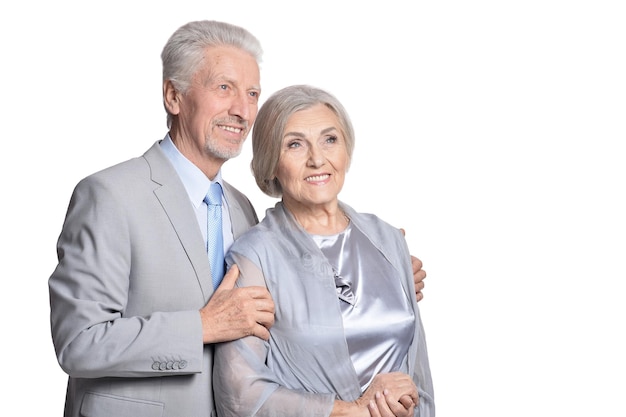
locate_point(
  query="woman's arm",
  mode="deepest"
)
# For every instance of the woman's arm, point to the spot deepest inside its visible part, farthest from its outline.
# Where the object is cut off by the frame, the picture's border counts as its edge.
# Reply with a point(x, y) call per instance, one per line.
point(244, 385)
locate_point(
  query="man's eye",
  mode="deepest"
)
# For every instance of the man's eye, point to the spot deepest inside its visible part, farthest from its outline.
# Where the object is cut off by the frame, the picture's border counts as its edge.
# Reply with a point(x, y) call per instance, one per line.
point(223, 87)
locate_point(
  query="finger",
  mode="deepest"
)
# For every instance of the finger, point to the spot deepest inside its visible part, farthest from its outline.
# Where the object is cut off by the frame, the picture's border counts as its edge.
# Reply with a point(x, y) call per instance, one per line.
point(388, 405)
point(398, 409)
point(261, 332)
point(261, 295)
point(228, 283)
point(416, 263)
point(406, 401)
point(382, 404)
point(373, 409)
point(418, 277)
point(265, 319)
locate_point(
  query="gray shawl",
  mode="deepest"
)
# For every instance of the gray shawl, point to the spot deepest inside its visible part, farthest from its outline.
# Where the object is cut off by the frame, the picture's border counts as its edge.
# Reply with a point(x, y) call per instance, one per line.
point(306, 364)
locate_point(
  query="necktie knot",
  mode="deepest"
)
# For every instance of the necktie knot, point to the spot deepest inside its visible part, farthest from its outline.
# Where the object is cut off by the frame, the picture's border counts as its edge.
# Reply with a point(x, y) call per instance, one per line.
point(214, 196)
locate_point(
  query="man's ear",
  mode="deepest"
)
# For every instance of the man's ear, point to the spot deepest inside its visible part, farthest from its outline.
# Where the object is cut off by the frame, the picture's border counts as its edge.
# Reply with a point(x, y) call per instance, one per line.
point(171, 98)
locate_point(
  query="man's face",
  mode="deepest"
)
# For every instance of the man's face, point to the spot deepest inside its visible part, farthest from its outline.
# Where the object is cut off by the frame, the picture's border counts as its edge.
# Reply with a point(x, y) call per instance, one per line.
point(217, 112)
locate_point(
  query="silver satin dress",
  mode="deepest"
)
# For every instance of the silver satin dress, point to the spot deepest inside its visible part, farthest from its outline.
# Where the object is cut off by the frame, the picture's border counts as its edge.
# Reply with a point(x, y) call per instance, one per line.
point(377, 319)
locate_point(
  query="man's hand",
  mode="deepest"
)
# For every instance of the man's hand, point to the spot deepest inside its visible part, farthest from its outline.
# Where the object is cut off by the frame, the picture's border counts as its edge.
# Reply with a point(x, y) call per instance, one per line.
point(233, 313)
point(418, 274)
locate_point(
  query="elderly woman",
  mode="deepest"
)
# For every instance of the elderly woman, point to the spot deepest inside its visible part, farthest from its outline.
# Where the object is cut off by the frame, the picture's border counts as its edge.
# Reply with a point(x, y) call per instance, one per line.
point(347, 337)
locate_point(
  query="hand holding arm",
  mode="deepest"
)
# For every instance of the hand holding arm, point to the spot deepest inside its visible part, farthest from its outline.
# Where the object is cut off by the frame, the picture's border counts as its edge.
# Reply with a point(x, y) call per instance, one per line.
point(418, 274)
point(232, 313)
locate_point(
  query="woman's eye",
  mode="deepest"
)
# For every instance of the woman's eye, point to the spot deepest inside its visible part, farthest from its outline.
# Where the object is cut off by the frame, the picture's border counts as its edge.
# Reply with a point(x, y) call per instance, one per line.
point(331, 139)
point(293, 145)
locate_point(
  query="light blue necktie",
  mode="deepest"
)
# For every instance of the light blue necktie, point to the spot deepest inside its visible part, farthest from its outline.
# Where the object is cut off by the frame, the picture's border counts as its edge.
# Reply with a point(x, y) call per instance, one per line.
point(215, 240)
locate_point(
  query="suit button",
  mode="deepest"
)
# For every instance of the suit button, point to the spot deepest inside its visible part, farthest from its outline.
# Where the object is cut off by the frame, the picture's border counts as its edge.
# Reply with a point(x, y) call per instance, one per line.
point(155, 365)
point(182, 364)
point(162, 366)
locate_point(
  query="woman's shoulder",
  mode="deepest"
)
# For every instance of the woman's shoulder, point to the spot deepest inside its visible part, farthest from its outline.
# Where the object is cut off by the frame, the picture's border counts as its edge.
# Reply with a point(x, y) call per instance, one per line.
point(369, 221)
point(253, 236)
point(258, 236)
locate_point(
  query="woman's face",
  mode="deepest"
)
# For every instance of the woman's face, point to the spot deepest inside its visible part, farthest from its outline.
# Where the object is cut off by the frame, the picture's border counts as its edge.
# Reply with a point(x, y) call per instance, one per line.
point(313, 158)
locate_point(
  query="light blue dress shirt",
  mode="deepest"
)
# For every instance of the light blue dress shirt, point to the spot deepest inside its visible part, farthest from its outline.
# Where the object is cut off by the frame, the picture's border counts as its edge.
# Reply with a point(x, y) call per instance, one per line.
point(197, 184)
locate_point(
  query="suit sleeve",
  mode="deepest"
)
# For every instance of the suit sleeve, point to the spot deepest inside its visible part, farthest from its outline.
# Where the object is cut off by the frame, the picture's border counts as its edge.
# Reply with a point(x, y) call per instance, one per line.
point(92, 333)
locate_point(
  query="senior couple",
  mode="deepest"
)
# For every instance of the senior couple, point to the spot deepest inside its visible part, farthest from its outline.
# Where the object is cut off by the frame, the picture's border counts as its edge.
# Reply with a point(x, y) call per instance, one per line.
point(317, 314)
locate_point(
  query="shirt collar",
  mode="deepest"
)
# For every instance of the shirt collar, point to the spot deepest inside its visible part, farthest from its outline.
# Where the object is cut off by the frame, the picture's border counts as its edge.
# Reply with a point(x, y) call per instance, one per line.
point(196, 183)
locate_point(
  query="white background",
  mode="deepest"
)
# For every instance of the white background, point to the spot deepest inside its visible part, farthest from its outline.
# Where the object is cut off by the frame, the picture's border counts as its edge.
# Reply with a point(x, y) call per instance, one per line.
point(495, 128)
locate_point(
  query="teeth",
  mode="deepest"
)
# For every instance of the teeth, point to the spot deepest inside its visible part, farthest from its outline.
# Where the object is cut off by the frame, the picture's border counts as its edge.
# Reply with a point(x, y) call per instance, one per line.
point(231, 129)
point(318, 178)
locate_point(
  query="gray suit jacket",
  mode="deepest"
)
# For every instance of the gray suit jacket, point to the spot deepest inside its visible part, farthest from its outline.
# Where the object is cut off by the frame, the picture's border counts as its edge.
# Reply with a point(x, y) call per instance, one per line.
point(124, 299)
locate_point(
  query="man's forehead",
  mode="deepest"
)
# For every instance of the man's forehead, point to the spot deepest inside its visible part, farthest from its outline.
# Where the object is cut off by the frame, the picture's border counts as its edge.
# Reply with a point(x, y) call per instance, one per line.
point(231, 64)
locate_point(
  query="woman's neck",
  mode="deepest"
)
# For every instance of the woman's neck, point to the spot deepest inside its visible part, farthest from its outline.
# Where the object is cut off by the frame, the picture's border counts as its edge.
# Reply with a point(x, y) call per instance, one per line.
point(327, 219)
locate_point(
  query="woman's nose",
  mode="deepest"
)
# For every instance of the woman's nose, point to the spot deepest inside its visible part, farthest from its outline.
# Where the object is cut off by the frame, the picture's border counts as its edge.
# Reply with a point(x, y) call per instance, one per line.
point(316, 158)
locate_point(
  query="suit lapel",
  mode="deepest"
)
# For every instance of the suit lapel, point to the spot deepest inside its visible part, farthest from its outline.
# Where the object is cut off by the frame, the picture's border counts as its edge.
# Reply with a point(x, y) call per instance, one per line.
point(237, 217)
point(170, 193)
point(241, 212)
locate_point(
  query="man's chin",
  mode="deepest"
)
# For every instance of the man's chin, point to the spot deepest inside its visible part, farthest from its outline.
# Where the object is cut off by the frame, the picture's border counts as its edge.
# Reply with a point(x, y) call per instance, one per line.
point(233, 154)
point(226, 152)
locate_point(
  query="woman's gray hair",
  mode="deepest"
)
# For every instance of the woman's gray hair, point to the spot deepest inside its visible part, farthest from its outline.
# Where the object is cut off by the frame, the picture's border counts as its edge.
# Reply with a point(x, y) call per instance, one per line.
point(267, 134)
point(184, 51)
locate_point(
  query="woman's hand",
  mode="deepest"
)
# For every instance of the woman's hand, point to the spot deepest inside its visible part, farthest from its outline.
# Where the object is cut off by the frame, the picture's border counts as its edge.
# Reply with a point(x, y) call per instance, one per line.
point(392, 394)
